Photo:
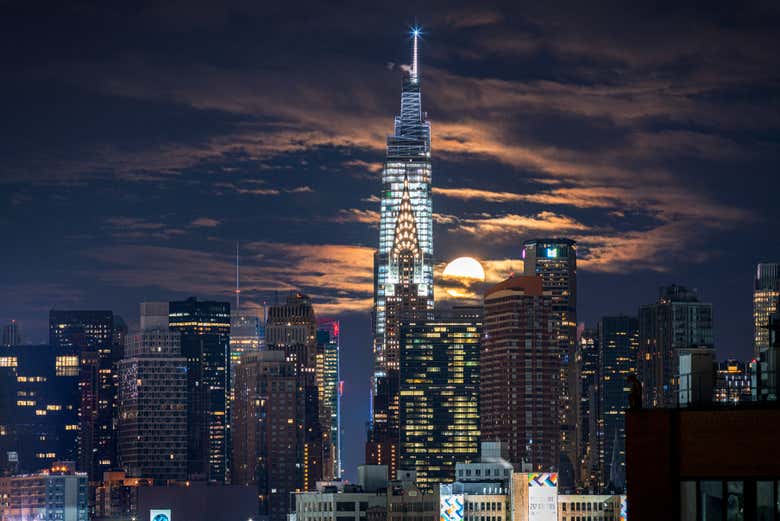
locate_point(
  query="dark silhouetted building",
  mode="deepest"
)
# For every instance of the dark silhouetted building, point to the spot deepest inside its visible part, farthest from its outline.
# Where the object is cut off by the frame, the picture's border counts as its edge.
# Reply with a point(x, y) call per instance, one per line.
point(205, 343)
point(439, 398)
point(703, 463)
point(764, 369)
point(678, 320)
point(39, 407)
point(97, 337)
point(153, 399)
point(618, 344)
point(520, 372)
point(268, 430)
point(590, 412)
point(403, 262)
point(12, 334)
point(555, 261)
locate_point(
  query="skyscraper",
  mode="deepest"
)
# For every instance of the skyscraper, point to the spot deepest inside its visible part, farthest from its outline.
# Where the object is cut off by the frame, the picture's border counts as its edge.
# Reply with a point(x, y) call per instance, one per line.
point(153, 399)
point(678, 320)
point(205, 343)
point(403, 263)
point(618, 342)
point(97, 338)
point(766, 293)
point(439, 398)
point(268, 430)
point(12, 334)
point(246, 336)
point(555, 261)
point(588, 360)
point(39, 407)
point(292, 329)
point(329, 388)
point(520, 372)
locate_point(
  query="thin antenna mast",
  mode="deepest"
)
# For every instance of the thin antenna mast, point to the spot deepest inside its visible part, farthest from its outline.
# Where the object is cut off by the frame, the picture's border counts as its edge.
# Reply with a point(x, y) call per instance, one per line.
point(238, 287)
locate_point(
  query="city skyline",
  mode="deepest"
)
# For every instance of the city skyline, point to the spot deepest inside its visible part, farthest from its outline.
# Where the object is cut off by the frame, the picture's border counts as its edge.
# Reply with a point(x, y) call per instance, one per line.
point(607, 149)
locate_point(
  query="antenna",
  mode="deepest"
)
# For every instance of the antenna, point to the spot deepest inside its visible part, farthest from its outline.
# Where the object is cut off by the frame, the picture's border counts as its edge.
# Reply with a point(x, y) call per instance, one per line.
point(238, 287)
point(416, 36)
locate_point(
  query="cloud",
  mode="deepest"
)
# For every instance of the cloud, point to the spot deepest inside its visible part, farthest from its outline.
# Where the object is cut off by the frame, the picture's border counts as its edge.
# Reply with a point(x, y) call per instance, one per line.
point(337, 277)
point(205, 222)
point(356, 215)
point(473, 193)
point(512, 225)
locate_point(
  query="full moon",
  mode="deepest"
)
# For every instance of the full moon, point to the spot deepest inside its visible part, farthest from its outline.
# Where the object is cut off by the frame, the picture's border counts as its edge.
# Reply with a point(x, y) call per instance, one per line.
point(465, 267)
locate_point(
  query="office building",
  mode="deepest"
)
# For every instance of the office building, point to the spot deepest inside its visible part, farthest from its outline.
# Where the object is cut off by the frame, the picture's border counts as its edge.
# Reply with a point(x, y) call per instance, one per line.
point(292, 329)
point(12, 334)
point(732, 384)
point(39, 407)
point(58, 493)
point(439, 398)
point(678, 320)
point(764, 369)
point(703, 463)
point(338, 500)
point(247, 335)
point(618, 343)
point(593, 507)
point(403, 262)
point(268, 430)
point(555, 261)
point(520, 372)
point(153, 399)
point(329, 388)
point(97, 337)
point(590, 413)
point(205, 343)
point(766, 294)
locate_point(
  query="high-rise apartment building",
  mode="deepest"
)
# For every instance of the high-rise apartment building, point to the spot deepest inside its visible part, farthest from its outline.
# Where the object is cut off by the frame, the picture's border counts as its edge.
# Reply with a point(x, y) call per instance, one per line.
point(678, 320)
point(618, 343)
point(329, 389)
point(268, 430)
point(98, 338)
point(555, 261)
point(12, 334)
point(205, 343)
point(588, 361)
point(292, 329)
point(39, 407)
point(520, 372)
point(439, 398)
point(403, 263)
point(766, 294)
point(153, 399)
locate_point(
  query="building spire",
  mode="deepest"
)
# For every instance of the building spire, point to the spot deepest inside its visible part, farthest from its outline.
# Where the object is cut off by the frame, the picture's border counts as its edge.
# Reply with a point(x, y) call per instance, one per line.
point(415, 36)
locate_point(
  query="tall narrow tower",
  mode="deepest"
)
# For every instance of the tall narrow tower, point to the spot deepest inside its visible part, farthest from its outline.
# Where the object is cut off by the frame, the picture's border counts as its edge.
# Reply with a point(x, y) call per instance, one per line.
point(403, 263)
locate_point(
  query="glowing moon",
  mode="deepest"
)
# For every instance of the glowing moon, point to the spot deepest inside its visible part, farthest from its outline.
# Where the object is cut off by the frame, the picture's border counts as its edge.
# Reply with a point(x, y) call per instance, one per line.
point(465, 267)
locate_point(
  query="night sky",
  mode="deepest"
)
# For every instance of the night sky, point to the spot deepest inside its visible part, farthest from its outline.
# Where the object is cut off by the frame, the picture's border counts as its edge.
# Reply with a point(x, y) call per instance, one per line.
point(140, 143)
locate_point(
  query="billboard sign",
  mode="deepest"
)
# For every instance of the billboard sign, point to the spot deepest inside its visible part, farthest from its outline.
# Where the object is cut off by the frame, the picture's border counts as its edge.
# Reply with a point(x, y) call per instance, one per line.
point(160, 515)
point(451, 506)
point(543, 496)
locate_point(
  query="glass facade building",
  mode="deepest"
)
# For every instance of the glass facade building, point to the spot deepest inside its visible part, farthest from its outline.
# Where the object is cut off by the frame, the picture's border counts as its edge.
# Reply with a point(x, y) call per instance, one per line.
point(205, 343)
point(39, 407)
point(329, 388)
point(618, 342)
point(98, 338)
point(403, 262)
point(766, 293)
point(439, 398)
